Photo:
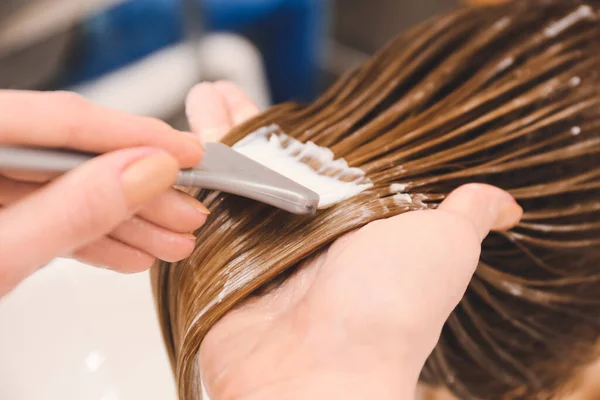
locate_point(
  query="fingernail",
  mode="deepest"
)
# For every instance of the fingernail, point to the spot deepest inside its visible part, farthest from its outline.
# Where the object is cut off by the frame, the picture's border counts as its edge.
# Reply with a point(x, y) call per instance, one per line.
point(189, 236)
point(198, 206)
point(509, 216)
point(148, 177)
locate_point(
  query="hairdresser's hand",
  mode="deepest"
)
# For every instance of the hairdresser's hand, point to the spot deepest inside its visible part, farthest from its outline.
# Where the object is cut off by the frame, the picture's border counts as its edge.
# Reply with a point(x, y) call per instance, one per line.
point(117, 211)
point(360, 321)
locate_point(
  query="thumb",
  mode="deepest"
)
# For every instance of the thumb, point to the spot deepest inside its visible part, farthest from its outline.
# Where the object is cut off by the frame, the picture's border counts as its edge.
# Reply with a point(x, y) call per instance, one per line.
point(485, 208)
point(79, 208)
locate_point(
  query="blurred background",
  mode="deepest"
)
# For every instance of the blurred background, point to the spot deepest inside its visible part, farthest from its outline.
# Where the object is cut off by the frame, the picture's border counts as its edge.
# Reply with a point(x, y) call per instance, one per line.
point(144, 55)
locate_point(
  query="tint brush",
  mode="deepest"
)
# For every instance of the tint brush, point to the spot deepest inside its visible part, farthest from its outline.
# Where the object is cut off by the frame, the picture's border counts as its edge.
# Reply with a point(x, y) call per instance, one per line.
point(267, 166)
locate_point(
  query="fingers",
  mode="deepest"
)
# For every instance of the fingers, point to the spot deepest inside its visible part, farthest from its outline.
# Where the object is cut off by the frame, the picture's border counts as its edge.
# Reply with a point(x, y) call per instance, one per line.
point(213, 109)
point(158, 242)
point(63, 119)
point(112, 254)
point(28, 176)
point(207, 112)
point(175, 211)
point(158, 236)
point(12, 191)
point(80, 207)
point(485, 207)
point(241, 107)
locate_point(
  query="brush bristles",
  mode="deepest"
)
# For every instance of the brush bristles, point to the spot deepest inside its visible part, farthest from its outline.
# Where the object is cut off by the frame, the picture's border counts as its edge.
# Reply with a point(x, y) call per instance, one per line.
point(310, 165)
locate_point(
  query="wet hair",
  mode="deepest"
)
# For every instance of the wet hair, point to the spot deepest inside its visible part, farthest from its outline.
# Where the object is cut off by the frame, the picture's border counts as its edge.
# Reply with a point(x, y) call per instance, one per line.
point(507, 95)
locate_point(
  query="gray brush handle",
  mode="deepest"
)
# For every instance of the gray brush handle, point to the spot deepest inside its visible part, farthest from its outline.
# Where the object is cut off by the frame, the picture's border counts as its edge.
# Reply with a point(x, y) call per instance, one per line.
point(49, 161)
point(221, 169)
point(41, 160)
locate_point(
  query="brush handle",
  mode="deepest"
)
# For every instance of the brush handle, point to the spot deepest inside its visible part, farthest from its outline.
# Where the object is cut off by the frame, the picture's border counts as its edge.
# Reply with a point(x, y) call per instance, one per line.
point(221, 169)
point(42, 160)
point(49, 161)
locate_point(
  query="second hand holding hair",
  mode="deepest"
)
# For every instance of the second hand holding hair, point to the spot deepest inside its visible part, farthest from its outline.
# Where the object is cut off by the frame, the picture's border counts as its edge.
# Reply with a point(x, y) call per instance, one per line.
point(404, 315)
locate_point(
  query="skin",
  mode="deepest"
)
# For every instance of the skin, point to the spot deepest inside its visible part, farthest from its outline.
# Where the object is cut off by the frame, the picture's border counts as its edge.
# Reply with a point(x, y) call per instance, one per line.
point(318, 336)
point(118, 211)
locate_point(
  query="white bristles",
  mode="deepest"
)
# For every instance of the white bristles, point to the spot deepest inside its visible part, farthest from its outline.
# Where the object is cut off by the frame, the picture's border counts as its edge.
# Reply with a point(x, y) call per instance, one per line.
point(307, 164)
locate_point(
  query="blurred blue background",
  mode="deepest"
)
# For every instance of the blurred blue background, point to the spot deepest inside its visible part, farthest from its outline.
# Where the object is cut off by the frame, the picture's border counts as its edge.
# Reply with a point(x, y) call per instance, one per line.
point(289, 34)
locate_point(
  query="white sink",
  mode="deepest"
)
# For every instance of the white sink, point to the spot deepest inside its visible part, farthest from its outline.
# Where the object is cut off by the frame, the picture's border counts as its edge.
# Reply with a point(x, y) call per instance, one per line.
point(73, 332)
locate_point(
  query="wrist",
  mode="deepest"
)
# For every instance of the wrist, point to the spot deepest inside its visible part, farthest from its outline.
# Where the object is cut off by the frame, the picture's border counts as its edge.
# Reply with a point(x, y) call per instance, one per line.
point(318, 364)
point(354, 373)
point(322, 384)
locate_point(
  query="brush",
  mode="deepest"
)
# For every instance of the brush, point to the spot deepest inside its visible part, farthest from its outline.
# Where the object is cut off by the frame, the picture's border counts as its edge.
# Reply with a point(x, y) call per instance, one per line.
point(267, 166)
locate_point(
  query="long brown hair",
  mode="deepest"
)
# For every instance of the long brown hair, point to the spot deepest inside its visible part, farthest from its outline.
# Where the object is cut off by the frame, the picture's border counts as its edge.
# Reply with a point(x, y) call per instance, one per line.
point(506, 95)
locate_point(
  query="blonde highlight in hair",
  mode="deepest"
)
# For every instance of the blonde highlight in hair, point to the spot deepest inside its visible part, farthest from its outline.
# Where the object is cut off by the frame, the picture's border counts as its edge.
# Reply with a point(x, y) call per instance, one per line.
point(506, 95)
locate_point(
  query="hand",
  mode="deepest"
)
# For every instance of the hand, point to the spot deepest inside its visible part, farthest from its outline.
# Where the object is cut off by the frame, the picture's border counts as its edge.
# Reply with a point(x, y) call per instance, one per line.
point(117, 211)
point(359, 321)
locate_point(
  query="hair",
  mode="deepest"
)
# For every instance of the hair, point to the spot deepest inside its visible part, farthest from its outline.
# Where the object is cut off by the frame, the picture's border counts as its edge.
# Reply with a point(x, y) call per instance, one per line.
point(506, 95)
